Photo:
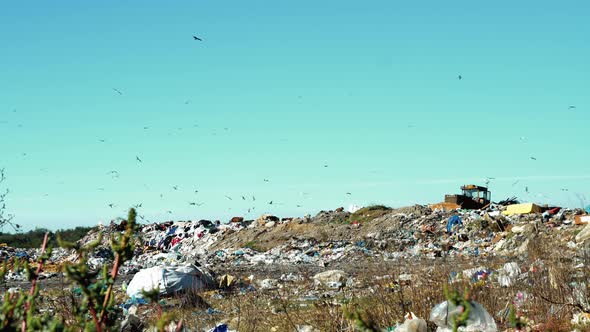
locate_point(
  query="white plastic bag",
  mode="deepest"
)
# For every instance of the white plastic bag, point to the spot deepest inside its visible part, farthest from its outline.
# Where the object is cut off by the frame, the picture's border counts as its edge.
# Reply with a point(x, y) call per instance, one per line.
point(479, 319)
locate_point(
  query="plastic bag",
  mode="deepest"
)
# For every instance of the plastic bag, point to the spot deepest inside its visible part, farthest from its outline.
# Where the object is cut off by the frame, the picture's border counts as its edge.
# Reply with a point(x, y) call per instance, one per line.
point(412, 324)
point(479, 319)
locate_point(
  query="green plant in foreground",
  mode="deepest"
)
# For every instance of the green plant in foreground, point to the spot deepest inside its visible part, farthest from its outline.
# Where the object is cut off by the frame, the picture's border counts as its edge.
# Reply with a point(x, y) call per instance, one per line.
point(18, 311)
point(516, 321)
point(361, 321)
point(462, 303)
point(95, 312)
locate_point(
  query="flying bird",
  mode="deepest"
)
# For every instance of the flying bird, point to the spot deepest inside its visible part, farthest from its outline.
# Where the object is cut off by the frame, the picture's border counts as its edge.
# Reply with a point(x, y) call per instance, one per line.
point(270, 203)
point(243, 198)
point(253, 198)
point(460, 77)
point(117, 91)
point(526, 189)
point(326, 166)
point(137, 206)
point(266, 180)
point(175, 187)
point(515, 182)
point(571, 107)
point(102, 140)
point(196, 191)
point(349, 193)
point(111, 205)
point(137, 158)
point(114, 174)
point(228, 198)
point(169, 212)
point(533, 158)
point(197, 38)
point(564, 189)
point(195, 204)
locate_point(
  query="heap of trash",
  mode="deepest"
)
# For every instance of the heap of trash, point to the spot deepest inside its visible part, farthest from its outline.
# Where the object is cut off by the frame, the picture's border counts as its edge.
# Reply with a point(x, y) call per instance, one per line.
point(332, 238)
point(335, 236)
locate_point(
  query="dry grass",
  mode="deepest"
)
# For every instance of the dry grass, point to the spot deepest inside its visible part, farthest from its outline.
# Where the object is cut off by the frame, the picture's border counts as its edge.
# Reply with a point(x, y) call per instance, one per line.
point(369, 213)
point(550, 297)
point(552, 291)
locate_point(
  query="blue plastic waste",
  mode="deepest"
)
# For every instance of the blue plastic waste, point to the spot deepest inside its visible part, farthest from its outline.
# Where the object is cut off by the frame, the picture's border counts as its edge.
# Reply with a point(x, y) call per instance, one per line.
point(453, 220)
point(220, 328)
point(133, 301)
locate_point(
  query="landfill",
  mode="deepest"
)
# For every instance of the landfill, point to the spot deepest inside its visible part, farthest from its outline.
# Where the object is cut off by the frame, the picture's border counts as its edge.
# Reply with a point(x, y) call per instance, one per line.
point(204, 255)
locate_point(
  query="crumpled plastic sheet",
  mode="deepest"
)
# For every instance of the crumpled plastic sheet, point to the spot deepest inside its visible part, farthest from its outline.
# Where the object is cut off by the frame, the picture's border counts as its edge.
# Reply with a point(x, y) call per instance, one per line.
point(479, 319)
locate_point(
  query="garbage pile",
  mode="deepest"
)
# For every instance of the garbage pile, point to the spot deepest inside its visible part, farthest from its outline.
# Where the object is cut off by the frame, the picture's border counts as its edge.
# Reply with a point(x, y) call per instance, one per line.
point(333, 236)
point(176, 256)
point(330, 238)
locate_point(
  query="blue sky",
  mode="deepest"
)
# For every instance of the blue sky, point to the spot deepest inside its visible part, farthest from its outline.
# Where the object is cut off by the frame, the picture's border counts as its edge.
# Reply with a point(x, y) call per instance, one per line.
point(276, 91)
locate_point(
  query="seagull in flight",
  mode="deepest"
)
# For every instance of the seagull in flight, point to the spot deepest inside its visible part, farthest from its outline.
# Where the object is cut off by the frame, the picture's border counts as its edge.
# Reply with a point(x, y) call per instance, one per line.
point(195, 204)
point(117, 91)
point(197, 38)
point(533, 158)
point(266, 180)
point(243, 198)
point(102, 140)
point(349, 193)
point(175, 187)
point(114, 174)
point(571, 107)
point(270, 203)
point(526, 189)
point(460, 77)
point(111, 205)
point(515, 182)
point(228, 198)
point(137, 206)
point(137, 158)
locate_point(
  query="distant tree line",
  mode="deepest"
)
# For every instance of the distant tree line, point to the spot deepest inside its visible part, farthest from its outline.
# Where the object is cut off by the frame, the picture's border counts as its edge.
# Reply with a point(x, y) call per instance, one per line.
point(34, 238)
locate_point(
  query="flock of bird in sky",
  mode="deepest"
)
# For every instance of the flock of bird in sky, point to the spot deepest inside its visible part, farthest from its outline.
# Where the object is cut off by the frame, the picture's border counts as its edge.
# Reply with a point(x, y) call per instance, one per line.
point(115, 174)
